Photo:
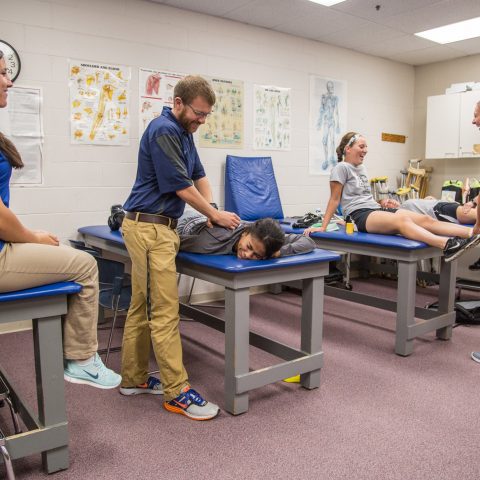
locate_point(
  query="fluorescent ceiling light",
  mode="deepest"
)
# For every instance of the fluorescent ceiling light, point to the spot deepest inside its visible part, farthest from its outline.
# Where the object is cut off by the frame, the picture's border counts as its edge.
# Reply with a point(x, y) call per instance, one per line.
point(453, 32)
point(327, 3)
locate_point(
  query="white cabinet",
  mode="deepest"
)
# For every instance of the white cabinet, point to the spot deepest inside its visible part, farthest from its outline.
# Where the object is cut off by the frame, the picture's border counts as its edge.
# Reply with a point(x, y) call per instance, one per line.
point(443, 113)
point(469, 139)
point(450, 133)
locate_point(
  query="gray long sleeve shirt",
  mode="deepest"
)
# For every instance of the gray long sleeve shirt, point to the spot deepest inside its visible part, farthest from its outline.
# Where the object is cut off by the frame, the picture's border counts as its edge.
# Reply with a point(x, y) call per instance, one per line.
point(222, 241)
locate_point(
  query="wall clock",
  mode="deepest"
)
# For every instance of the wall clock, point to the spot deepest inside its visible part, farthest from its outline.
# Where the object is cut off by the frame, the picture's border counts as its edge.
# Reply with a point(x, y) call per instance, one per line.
point(12, 59)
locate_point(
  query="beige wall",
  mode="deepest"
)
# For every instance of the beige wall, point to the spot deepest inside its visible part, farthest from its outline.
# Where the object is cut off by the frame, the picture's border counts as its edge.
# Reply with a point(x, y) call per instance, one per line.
point(430, 80)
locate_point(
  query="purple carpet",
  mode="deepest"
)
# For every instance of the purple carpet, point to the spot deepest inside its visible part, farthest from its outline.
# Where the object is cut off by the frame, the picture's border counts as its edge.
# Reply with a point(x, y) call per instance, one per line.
point(375, 416)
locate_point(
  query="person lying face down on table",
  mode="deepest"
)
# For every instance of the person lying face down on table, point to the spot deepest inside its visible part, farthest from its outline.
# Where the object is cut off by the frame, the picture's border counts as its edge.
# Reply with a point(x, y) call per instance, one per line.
point(349, 186)
point(259, 240)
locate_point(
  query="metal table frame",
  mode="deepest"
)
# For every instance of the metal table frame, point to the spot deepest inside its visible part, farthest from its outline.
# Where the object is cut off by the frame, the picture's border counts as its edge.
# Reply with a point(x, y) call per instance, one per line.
point(239, 380)
point(407, 326)
point(46, 433)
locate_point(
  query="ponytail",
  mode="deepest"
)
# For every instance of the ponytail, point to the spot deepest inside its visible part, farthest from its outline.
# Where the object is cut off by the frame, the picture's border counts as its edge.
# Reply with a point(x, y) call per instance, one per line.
point(10, 152)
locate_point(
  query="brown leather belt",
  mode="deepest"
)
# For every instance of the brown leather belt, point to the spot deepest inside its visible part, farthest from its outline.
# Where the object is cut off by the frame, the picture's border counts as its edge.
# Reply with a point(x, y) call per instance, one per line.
point(151, 218)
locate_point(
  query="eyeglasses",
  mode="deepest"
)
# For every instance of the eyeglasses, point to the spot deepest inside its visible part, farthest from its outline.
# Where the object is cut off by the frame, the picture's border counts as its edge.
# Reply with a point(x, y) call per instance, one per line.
point(198, 113)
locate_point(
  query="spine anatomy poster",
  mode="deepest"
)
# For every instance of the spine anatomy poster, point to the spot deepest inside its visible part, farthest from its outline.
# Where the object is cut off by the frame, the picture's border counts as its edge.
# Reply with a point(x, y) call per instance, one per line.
point(272, 122)
point(155, 92)
point(224, 126)
point(99, 99)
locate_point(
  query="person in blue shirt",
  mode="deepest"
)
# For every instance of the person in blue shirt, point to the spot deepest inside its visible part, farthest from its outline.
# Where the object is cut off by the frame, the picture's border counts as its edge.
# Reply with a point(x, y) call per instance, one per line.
point(30, 258)
point(169, 175)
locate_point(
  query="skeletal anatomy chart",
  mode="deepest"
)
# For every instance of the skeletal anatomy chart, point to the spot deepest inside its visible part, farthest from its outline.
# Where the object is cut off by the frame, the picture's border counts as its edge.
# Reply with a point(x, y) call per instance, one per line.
point(99, 96)
point(224, 127)
point(155, 92)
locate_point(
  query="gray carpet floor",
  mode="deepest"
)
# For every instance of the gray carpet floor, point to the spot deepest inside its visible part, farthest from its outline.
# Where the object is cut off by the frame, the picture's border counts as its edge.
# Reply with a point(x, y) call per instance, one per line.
point(375, 416)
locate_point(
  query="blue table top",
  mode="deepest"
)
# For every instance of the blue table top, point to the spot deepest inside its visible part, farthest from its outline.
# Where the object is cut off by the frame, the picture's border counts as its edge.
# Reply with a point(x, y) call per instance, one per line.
point(380, 240)
point(227, 263)
point(59, 288)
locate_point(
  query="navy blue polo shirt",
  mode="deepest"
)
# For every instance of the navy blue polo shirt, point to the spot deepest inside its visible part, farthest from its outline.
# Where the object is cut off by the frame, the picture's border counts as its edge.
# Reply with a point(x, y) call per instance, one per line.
point(167, 161)
point(5, 174)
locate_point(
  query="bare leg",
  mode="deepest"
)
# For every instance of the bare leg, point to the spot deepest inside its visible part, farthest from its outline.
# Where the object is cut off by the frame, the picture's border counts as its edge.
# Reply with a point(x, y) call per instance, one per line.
point(392, 223)
point(435, 226)
point(466, 218)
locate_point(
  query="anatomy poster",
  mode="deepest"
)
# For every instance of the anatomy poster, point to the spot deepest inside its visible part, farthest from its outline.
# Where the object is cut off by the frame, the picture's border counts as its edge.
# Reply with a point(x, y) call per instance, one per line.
point(327, 124)
point(99, 96)
point(272, 122)
point(224, 127)
point(155, 92)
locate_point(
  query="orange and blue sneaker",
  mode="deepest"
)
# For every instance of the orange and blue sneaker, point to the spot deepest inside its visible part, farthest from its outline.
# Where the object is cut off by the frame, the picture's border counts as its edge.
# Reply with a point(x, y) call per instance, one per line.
point(152, 386)
point(191, 404)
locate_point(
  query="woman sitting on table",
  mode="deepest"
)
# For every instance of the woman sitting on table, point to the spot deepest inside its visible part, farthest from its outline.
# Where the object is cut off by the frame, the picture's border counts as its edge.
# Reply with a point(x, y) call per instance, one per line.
point(259, 240)
point(31, 258)
point(349, 186)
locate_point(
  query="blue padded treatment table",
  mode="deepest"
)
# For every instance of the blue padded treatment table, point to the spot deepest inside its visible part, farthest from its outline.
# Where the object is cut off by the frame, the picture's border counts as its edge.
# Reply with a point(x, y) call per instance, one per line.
point(407, 253)
point(47, 433)
point(237, 276)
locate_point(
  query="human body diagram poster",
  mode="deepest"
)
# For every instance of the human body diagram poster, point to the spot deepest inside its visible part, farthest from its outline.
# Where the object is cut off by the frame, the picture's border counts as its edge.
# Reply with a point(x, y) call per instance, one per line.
point(327, 123)
point(272, 122)
point(224, 127)
point(155, 92)
point(99, 100)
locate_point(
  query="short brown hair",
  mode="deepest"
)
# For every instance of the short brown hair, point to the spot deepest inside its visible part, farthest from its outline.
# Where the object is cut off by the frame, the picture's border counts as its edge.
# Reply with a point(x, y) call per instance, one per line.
point(193, 86)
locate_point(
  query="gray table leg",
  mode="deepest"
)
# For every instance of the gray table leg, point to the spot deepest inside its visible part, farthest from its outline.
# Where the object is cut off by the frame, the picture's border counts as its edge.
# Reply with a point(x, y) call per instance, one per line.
point(312, 325)
point(237, 319)
point(48, 348)
point(446, 295)
point(406, 291)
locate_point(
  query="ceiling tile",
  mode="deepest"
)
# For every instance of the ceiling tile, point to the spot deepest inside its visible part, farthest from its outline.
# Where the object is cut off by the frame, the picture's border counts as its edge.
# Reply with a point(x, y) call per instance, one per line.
point(438, 53)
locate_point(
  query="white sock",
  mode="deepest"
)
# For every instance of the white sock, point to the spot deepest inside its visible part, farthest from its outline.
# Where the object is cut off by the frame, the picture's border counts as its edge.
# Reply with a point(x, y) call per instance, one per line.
point(82, 363)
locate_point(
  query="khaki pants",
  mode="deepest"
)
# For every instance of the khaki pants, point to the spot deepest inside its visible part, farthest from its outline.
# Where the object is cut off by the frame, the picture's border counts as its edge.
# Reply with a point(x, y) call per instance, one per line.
point(27, 265)
point(153, 313)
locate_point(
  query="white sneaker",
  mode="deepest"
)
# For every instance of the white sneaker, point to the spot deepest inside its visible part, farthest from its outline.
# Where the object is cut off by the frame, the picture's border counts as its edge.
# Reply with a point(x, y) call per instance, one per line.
point(94, 373)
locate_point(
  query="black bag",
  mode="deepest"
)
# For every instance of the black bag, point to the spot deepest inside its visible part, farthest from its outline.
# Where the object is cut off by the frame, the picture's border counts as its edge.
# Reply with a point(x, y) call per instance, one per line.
point(468, 312)
point(307, 220)
point(116, 217)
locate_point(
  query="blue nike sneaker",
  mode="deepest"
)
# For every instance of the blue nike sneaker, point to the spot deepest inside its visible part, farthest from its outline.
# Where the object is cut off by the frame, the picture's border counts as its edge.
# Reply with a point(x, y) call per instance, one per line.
point(95, 374)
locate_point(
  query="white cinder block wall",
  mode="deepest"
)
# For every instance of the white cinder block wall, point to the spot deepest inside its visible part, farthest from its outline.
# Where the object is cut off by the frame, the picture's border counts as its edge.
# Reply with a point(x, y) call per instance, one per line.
point(81, 182)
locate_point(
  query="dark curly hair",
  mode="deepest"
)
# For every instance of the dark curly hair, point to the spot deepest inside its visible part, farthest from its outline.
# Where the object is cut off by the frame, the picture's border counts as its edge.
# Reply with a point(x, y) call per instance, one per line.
point(269, 232)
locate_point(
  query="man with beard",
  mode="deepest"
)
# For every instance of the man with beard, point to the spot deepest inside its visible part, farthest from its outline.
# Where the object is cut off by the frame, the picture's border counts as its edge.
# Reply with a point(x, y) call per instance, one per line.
point(169, 174)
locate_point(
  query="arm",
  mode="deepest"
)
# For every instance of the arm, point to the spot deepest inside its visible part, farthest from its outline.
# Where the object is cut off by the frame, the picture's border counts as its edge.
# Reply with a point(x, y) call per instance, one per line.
point(12, 230)
point(296, 244)
point(193, 197)
point(203, 186)
point(336, 189)
point(476, 228)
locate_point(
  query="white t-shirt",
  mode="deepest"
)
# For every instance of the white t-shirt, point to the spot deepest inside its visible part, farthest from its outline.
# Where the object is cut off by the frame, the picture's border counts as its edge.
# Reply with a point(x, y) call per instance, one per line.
point(356, 192)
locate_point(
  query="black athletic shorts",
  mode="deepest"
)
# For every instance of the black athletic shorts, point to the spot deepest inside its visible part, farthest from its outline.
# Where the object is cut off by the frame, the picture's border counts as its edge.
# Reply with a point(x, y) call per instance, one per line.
point(360, 216)
point(446, 211)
